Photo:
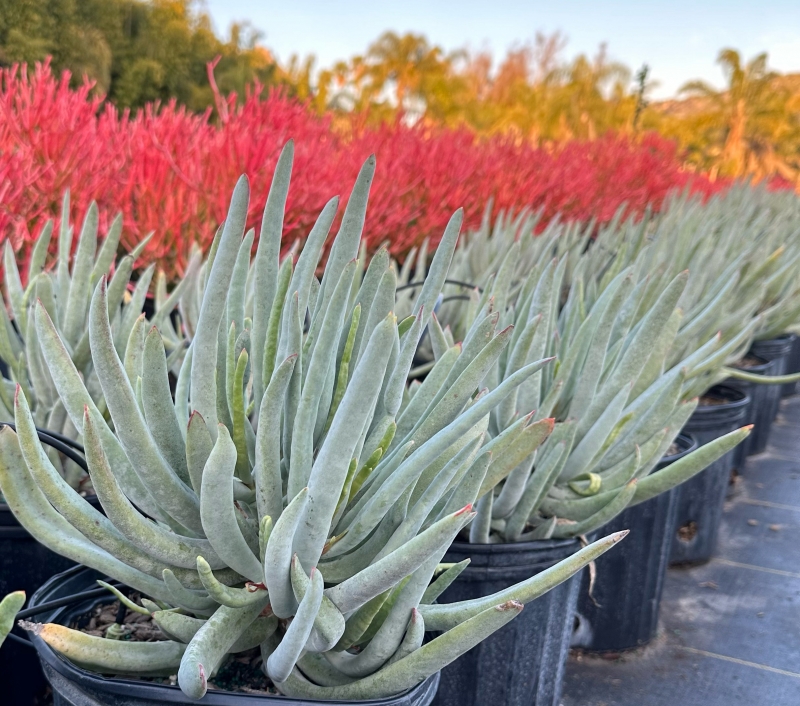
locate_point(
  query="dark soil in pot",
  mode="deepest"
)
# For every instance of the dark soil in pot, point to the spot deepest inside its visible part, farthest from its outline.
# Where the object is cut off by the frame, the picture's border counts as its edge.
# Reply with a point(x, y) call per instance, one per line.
point(24, 565)
point(73, 686)
point(523, 663)
point(778, 351)
point(700, 499)
point(622, 611)
point(762, 401)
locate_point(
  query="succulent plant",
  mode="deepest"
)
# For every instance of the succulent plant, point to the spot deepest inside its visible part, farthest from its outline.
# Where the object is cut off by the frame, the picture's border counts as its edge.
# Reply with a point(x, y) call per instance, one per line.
point(617, 398)
point(65, 293)
point(740, 249)
point(741, 252)
point(662, 305)
point(295, 494)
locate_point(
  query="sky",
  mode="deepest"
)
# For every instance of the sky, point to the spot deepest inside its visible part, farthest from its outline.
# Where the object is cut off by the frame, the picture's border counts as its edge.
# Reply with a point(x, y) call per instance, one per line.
point(679, 40)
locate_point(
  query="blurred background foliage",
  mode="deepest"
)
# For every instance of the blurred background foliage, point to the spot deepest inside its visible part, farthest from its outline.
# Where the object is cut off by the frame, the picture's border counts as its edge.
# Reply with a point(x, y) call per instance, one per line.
point(138, 52)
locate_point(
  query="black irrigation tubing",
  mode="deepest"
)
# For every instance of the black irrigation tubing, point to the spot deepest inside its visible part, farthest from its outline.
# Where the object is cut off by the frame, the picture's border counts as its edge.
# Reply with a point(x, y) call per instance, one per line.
point(67, 600)
point(59, 442)
point(21, 640)
point(59, 603)
point(458, 283)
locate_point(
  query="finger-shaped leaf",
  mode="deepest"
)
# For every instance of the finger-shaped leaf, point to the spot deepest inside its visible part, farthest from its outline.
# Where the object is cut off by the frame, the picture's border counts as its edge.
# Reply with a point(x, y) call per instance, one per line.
point(159, 410)
point(333, 459)
point(212, 311)
point(106, 656)
point(9, 607)
point(266, 263)
point(445, 616)
point(282, 661)
point(162, 482)
point(211, 643)
point(688, 466)
point(218, 512)
point(278, 557)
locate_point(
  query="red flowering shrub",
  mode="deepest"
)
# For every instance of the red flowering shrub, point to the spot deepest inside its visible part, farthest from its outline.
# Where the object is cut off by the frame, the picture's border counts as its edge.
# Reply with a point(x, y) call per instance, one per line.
point(172, 172)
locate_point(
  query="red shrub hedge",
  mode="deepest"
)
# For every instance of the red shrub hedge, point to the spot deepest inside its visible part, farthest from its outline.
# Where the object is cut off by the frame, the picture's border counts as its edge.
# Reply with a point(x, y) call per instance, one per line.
point(171, 171)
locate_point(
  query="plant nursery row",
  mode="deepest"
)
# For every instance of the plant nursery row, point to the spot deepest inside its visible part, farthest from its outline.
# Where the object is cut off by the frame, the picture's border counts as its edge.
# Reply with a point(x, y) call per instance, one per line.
point(299, 468)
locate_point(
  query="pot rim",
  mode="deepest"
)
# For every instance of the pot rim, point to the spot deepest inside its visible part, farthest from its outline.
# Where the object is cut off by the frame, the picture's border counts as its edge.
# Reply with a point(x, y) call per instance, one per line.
point(742, 398)
point(689, 444)
point(758, 367)
point(517, 547)
point(786, 335)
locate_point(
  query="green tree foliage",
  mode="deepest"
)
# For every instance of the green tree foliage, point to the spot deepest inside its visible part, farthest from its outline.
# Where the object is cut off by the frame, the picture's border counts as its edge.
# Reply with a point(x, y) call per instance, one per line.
point(135, 51)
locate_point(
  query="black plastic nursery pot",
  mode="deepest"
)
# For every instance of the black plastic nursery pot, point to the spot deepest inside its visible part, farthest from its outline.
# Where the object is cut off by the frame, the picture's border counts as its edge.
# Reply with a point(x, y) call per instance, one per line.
point(73, 686)
point(522, 664)
point(778, 351)
point(24, 565)
point(622, 611)
point(762, 400)
point(701, 499)
point(792, 366)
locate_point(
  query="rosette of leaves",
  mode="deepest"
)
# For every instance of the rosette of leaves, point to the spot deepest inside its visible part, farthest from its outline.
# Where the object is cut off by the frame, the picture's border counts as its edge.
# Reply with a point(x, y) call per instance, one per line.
point(617, 399)
point(294, 494)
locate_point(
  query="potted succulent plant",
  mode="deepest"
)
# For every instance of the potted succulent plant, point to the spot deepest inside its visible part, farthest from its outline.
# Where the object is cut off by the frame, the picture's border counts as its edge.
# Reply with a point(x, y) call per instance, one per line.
point(736, 289)
point(723, 305)
point(64, 287)
point(757, 411)
point(609, 436)
point(620, 602)
point(700, 499)
point(264, 505)
point(792, 366)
